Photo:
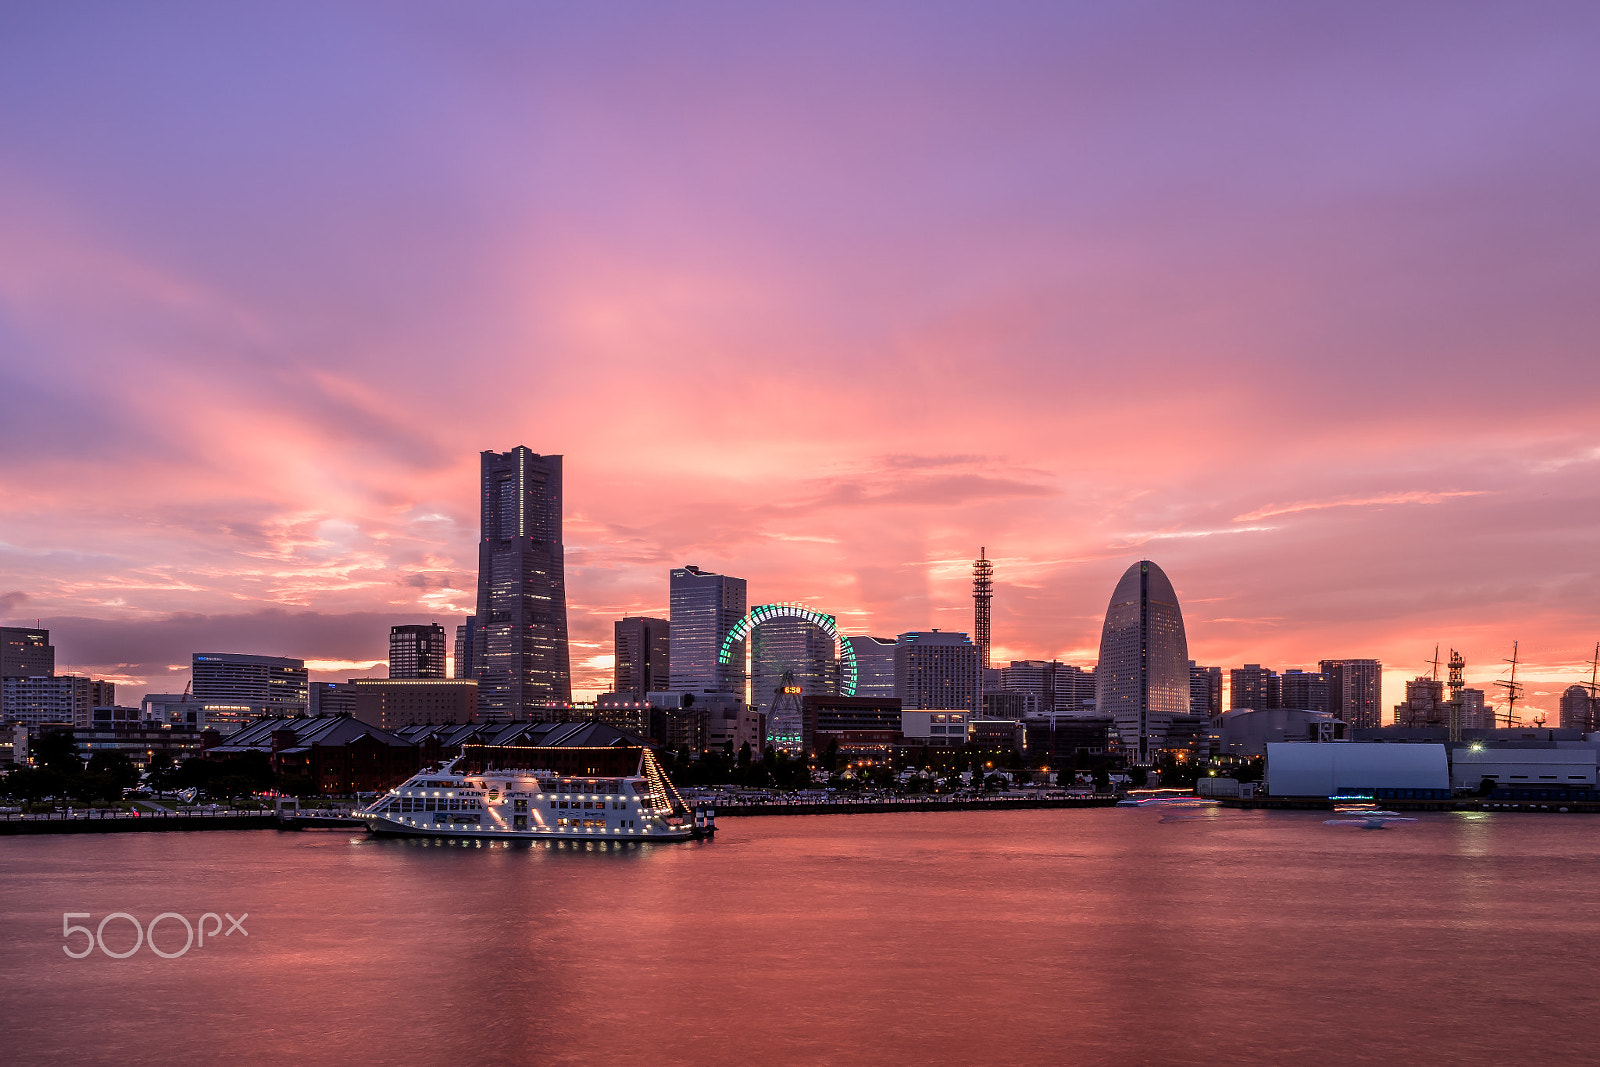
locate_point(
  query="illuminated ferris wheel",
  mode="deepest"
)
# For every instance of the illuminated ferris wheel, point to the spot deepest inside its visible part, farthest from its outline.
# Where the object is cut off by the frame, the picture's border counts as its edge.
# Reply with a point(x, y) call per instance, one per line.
point(826, 623)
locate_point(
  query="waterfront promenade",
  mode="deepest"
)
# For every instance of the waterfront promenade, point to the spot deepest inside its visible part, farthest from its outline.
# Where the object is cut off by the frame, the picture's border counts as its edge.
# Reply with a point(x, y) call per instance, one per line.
point(880, 805)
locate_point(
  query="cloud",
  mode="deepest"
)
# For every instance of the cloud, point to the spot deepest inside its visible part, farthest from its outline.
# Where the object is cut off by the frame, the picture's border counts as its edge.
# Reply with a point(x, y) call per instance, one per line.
point(9, 602)
point(1411, 497)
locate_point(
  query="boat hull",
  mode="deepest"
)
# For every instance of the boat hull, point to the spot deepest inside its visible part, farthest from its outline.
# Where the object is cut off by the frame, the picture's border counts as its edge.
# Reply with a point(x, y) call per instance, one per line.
point(379, 826)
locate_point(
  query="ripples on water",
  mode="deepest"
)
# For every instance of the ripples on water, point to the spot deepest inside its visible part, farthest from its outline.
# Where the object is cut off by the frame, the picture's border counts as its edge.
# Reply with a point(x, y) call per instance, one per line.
point(1114, 936)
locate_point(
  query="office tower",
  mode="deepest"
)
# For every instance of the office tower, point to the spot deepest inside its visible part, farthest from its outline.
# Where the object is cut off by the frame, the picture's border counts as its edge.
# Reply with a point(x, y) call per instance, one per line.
point(1424, 704)
point(934, 669)
point(417, 651)
point(1304, 690)
point(1253, 687)
point(1355, 691)
point(26, 652)
point(1205, 690)
point(1142, 679)
point(787, 652)
point(1577, 709)
point(874, 666)
point(642, 659)
point(249, 686)
point(519, 647)
point(58, 698)
point(1047, 686)
point(982, 602)
point(466, 633)
point(705, 607)
point(1476, 714)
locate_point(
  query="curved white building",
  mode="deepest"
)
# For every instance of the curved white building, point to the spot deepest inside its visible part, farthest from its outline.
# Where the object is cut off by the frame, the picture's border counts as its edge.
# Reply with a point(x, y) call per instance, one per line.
point(1143, 676)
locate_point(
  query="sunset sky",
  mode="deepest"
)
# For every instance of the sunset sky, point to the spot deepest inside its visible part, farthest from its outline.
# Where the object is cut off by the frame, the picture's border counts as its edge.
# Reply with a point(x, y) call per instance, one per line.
point(1299, 301)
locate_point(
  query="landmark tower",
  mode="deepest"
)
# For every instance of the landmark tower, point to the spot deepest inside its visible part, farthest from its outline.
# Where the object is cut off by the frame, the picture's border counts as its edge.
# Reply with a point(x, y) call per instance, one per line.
point(1143, 676)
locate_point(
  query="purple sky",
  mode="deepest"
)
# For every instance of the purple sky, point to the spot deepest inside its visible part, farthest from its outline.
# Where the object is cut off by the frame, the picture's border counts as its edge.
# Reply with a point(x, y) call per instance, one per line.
point(1297, 300)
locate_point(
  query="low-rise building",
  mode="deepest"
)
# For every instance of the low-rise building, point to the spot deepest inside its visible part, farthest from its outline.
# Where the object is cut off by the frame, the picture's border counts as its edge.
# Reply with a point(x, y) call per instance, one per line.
point(945, 728)
point(856, 727)
point(1414, 771)
point(1518, 766)
point(140, 740)
point(1059, 737)
point(1247, 732)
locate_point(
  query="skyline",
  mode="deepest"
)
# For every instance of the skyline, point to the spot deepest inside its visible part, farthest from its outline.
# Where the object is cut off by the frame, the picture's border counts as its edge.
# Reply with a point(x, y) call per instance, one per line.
point(1304, 318)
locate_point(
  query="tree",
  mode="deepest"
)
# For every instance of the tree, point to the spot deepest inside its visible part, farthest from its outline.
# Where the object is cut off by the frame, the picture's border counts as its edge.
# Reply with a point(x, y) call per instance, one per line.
point(163, 771)
point(117, 768)
point(56, 751)
point(35, 783)
point(744, 755)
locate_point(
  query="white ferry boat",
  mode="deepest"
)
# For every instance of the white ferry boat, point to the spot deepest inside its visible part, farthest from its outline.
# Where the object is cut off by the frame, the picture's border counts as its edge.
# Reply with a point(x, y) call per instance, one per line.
point(470, 797)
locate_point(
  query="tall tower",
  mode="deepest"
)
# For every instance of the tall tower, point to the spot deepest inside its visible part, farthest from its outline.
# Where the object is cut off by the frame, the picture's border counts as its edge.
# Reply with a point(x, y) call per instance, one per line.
point(1355, 691)
point(643, 655)
point(519, 653)
point(982, 596)
point(1142, 679)
point(705, 608)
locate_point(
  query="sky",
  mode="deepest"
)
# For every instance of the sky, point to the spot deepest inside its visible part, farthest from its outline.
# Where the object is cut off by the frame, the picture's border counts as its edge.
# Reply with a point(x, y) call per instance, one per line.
point(1298, 301)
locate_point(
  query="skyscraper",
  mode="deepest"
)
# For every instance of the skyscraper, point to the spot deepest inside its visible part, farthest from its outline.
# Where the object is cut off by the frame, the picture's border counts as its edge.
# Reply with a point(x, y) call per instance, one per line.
point(934, 669)
point(642, 650)
point(1577, 709)
point(519, 654)
point(466, 633)
point(705, 609)
point(1355, 691)
point(1205, 690)
point(1304, 690)
point(874, 665)
point(1143, 676)
point(1047, 686)
point(1424, 704)
point(1253, 687)
point(417, 651)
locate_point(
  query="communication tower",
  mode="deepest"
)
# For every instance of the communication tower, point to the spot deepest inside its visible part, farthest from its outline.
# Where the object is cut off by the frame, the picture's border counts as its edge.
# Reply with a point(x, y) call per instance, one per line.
point(1458, 668)
point(982, 596)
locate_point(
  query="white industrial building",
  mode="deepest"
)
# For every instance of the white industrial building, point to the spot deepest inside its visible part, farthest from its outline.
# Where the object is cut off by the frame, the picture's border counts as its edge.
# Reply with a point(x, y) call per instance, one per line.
point(1572, 767)
point(1343, 768)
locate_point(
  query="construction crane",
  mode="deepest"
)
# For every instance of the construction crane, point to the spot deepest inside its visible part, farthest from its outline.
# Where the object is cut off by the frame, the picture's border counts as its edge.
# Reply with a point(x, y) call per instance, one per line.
point(1513, 690)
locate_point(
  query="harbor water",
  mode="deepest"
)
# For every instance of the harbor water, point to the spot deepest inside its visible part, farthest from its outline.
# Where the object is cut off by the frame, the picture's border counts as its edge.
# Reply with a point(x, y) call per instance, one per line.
point(1104, 936)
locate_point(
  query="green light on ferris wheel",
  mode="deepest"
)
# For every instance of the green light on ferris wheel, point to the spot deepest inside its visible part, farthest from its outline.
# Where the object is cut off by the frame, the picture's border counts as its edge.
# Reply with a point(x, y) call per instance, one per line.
point(767, 612)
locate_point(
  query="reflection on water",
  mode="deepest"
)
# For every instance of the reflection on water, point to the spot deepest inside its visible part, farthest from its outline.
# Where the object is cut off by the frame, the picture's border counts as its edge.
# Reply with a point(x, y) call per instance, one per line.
point(1105, 936)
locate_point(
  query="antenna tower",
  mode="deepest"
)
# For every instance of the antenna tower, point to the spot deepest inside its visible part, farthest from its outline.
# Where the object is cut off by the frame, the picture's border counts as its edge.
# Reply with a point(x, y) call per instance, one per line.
point(1434, 663)
point(1513, 690)
point(982, 596)
point(1458, 667)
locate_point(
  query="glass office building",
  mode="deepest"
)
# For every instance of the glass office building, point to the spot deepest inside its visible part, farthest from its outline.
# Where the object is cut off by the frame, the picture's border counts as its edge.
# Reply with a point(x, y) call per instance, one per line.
point(519, 637)
point(1142, 680)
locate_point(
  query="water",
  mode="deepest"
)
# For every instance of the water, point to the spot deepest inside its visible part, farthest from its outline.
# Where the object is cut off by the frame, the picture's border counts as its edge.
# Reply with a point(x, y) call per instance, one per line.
point(1110, 936)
